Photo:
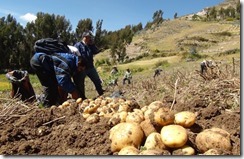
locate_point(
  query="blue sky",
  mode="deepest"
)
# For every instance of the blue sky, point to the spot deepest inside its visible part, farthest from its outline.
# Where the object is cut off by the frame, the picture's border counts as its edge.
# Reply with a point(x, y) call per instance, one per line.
point(115, 14)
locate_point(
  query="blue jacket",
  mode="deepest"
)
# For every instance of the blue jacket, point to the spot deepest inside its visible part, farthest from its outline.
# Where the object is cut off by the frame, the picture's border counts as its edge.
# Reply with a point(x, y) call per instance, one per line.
point(87, 52)
point(65, 66)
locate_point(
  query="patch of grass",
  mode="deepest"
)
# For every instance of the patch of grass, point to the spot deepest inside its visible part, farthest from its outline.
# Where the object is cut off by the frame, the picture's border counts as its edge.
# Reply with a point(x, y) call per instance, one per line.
point(5, 86)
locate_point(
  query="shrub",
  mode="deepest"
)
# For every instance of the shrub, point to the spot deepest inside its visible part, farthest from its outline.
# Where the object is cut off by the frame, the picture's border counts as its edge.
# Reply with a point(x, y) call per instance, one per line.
point(163, 63)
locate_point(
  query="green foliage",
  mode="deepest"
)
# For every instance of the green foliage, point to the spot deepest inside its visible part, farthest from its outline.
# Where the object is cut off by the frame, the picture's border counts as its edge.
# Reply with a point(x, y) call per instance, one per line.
point(224, 33)
point(139, 69)
point(163, 63)
point(83, 25)
point(104, 61)
point(228, 52)
point(191, 56)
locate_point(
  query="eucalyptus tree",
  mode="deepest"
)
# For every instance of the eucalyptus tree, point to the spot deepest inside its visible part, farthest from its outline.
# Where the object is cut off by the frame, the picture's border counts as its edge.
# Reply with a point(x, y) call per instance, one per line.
point(83, 25)
point(11, 37)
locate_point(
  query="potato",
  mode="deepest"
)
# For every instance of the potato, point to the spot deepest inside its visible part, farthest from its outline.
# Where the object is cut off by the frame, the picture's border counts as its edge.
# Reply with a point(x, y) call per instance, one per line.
point(155, 105)
point(129, 150)
point(98, 101)
point(221, 131)
point(118, 117)
point(143, 109)
point(149, 114)
point(85, 115)
point(123, 107)
point(94, 118)
point(84, 104)
point(147, 127)
point(134, 117)
point(213, 152)
point(154, 142)
point(164, 116)
point(91, 108)
point(213, 139)
point(185, 150)
point(125, 134)
point(79, 100)
point(185, 118)
point(174, 136)
point(66, 103)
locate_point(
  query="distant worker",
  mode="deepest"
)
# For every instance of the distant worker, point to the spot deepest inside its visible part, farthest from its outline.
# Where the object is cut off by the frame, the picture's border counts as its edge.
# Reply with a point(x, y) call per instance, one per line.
point(157, 72)
point(127, 76)
point(21, 86)
point(114, 76)
point(205, 64)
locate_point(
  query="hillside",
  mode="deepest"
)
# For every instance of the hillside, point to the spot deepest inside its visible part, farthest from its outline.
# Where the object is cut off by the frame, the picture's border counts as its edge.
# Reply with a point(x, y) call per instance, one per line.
point(178, 36)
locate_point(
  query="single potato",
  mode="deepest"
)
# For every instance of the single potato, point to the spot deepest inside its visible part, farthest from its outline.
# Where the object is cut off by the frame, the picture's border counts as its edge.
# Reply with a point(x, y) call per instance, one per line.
point(129, 150)
point(125, 134)
point(185, 118)
point(154, 142)
point(213, 139)
point(174, 136)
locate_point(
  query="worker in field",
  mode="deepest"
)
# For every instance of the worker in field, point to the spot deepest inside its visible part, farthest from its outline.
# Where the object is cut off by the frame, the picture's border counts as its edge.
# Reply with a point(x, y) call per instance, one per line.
point(88, 50)
point(205, 64)
point(127, 76)
point(55, 72)
point(157, 72)
point(21, 86)
point(114, 76)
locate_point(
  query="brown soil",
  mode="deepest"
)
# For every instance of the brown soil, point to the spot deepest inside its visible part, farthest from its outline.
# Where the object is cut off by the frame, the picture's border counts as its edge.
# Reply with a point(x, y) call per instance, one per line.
point(28, 130)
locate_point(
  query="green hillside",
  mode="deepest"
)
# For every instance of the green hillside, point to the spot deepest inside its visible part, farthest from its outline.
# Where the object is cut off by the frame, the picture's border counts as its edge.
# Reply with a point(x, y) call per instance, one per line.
point(171, 42)
point(172, 39)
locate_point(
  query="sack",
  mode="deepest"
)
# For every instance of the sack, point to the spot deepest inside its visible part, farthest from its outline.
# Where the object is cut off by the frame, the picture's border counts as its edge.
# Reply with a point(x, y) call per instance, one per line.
point(50, 46)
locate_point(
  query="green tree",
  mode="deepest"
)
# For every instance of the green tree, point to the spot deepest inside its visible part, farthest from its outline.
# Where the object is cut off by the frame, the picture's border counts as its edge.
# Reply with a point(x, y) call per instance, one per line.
point(83, 25)
point(98, 34)
point(175, 15)
point(11, 36)
point(158, 17)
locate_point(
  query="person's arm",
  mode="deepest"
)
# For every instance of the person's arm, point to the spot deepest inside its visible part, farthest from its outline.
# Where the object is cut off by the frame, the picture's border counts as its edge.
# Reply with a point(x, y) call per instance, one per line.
point(10, 76)
point(94, 49)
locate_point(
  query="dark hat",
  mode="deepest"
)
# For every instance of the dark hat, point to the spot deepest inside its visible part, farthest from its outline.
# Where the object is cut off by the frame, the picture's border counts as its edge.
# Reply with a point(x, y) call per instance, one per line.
point(87, 33)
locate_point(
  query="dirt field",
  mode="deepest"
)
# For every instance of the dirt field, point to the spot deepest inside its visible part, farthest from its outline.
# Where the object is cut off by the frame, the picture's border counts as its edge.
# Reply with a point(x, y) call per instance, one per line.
point(26, 129)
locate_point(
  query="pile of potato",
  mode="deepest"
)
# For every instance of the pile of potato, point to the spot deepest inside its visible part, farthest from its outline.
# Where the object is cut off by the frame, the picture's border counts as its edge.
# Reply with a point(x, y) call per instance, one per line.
point(152, 129)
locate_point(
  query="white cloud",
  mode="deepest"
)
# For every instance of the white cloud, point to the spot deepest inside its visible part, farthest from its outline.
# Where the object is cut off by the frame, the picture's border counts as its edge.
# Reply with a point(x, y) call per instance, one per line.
point(28, 17)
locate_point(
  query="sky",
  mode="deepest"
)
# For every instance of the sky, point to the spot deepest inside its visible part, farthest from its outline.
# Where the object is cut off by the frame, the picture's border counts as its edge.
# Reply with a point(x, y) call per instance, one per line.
point(116, 14)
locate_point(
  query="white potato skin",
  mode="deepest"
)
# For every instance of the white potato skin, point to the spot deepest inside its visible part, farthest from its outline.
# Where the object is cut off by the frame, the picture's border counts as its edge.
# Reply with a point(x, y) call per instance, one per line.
point(213, 139)
point(129, 150)
point(185, 150)
point(154, 141)
point(185, 118)
point(174, 136)
point(125, 134)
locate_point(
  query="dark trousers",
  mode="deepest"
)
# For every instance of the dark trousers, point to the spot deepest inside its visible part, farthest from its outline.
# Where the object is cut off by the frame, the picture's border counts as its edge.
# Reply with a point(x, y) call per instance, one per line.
point(126, 79)
point(79, 80)
point(203, 68)
point(44, 69)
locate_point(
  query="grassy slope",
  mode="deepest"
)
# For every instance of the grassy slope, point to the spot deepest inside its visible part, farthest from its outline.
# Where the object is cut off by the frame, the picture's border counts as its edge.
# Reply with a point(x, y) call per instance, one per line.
point(166, 39)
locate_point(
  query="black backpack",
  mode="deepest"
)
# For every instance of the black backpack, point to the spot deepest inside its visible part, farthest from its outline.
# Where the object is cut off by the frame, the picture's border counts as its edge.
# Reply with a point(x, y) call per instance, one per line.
point(50, 46)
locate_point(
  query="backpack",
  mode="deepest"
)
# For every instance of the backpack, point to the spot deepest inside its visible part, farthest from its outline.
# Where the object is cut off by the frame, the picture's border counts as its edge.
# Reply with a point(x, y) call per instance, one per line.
point(50, 46)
